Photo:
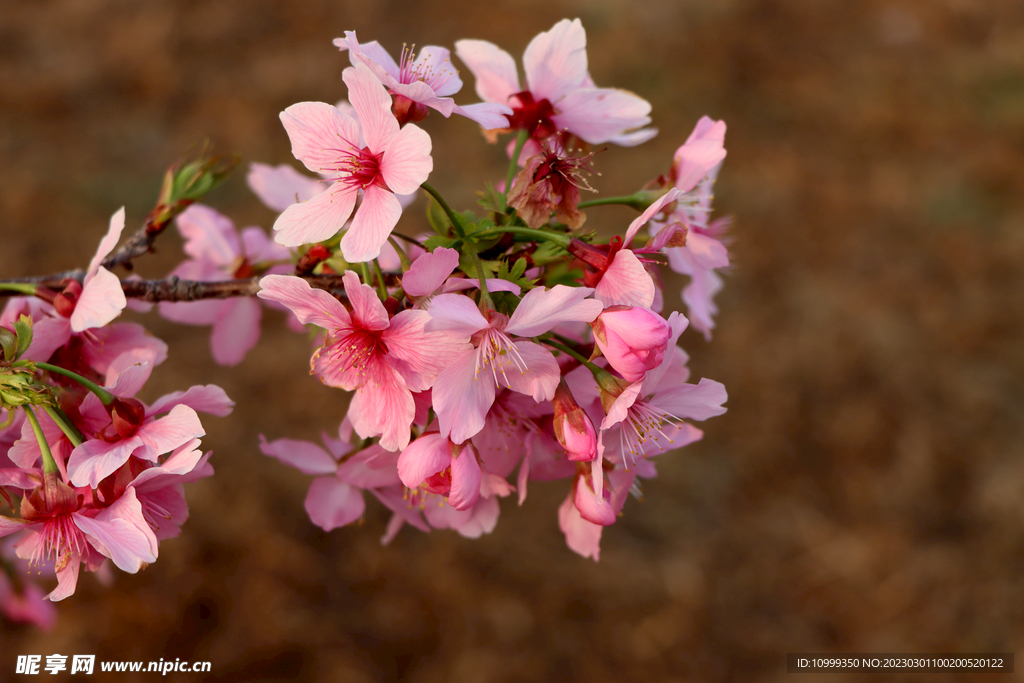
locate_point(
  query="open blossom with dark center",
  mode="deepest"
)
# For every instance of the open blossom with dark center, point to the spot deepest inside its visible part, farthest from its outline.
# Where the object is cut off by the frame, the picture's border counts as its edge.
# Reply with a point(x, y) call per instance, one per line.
point(384, 359)
point(67, 534)
point(393, 160)
point(559, 94)
point(421, 80)
point(551, 181)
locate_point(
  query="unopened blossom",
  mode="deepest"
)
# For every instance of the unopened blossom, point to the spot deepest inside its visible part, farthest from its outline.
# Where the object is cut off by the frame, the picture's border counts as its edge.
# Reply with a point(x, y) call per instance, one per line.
point(393, 160)
point(559, 94)
point(465, 389)
point(383, 359)
point(633, 339)
point(219, 252)
point(420, 81)
point(550, 182)
point(573, 428)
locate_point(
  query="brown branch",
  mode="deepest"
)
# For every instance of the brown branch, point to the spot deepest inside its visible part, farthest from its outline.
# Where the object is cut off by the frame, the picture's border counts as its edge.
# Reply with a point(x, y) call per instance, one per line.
point(174, 289)
point(142, 241)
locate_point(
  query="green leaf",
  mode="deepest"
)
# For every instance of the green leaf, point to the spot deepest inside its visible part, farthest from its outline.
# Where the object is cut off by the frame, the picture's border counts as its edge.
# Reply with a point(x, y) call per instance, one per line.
point(9, 343)
point(437, 218)
point(23, 327)
point(491, 200)
point(435, 241)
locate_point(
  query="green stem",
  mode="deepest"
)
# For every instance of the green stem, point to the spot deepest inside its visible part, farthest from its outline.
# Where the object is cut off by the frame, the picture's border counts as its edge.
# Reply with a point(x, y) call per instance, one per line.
point(638, 200)
point(105, 397)
point(381, 287)
point(456, 223)
point(402, 256)
point(49, 464)
point(514, 163)
point(560, 239)
point(485, 297)
point(578, 356)
point(57, 415)
point(24, 288)
point(364, 268)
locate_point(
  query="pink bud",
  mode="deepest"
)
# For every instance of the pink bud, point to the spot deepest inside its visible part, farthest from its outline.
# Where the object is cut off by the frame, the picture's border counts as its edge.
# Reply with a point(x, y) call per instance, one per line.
point(592, 508)
point(573, 427)
point(632, 338)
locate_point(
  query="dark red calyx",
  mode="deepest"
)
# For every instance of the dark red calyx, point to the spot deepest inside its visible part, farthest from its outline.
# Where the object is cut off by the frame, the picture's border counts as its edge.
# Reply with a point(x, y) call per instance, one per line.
point(408, 111)
point(67, 299)
point(126, 415)
point(533, 116)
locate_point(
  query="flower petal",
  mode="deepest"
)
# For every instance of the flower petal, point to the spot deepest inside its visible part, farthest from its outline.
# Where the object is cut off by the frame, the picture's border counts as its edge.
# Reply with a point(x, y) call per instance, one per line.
point(541, 309)
point(373, 222)
point(316, 219)
point(367, 311)
point(310, 306)
point(304, 456)
point(331, 503)
point(598, 115)
point(555, 61)
point(466, 477)
point(373, 106)
point(493, 68)
point(320, 135)
point(101, 301)
point(281, 186)
point(429, 272)
point(626, 282)
point(462, 398)
point(236, 332)
point(406, 163)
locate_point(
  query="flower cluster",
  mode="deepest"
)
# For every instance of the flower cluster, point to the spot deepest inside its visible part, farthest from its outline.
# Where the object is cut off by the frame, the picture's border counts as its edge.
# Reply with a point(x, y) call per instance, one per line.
point(507, 345)
point(90, 472)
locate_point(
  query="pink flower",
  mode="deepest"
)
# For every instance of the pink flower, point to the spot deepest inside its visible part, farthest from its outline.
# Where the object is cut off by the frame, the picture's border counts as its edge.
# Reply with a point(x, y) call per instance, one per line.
point(560, 94)
point(429, 275)
point(383, 359)
point(633, 339)
point(694, 170)
point(219, 253)
point(420, 81)
point(80, 307)
point(64, 532)
point(442, 467)
point(327, 141)
point(465, 389)
point(573, 429)
point(577, 514)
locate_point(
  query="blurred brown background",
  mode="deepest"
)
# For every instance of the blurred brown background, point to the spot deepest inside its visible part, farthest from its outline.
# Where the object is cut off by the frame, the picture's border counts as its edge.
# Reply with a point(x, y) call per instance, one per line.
point(864, 491)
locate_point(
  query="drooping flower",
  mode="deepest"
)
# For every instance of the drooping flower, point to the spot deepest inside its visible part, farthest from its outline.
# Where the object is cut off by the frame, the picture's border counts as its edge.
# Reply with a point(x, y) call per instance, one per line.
point(383, 359)
point(419, 81)
point(551, 181)
point(559, 93)
point(442, 467)
point(393, 160)
point(218, 252)
point(694, 170)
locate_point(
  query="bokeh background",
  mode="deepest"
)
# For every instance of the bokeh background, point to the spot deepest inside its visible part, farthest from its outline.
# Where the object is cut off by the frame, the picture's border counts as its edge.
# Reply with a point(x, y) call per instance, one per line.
point(864, 491)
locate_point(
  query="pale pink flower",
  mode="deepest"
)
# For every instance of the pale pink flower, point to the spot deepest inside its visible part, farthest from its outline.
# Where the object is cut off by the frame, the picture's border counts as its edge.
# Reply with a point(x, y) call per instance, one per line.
point(335, 497)
point(559, 93)
point(465, 389)
point(383, 359)
point(393, 160)
point(218, 252)
point(694, 170)
point(429, 275)
point(419, 81)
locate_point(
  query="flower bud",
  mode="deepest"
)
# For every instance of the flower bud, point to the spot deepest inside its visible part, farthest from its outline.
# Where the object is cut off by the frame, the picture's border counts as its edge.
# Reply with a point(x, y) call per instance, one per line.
point(572, 426)
point(126, 415)
point(633, 339)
